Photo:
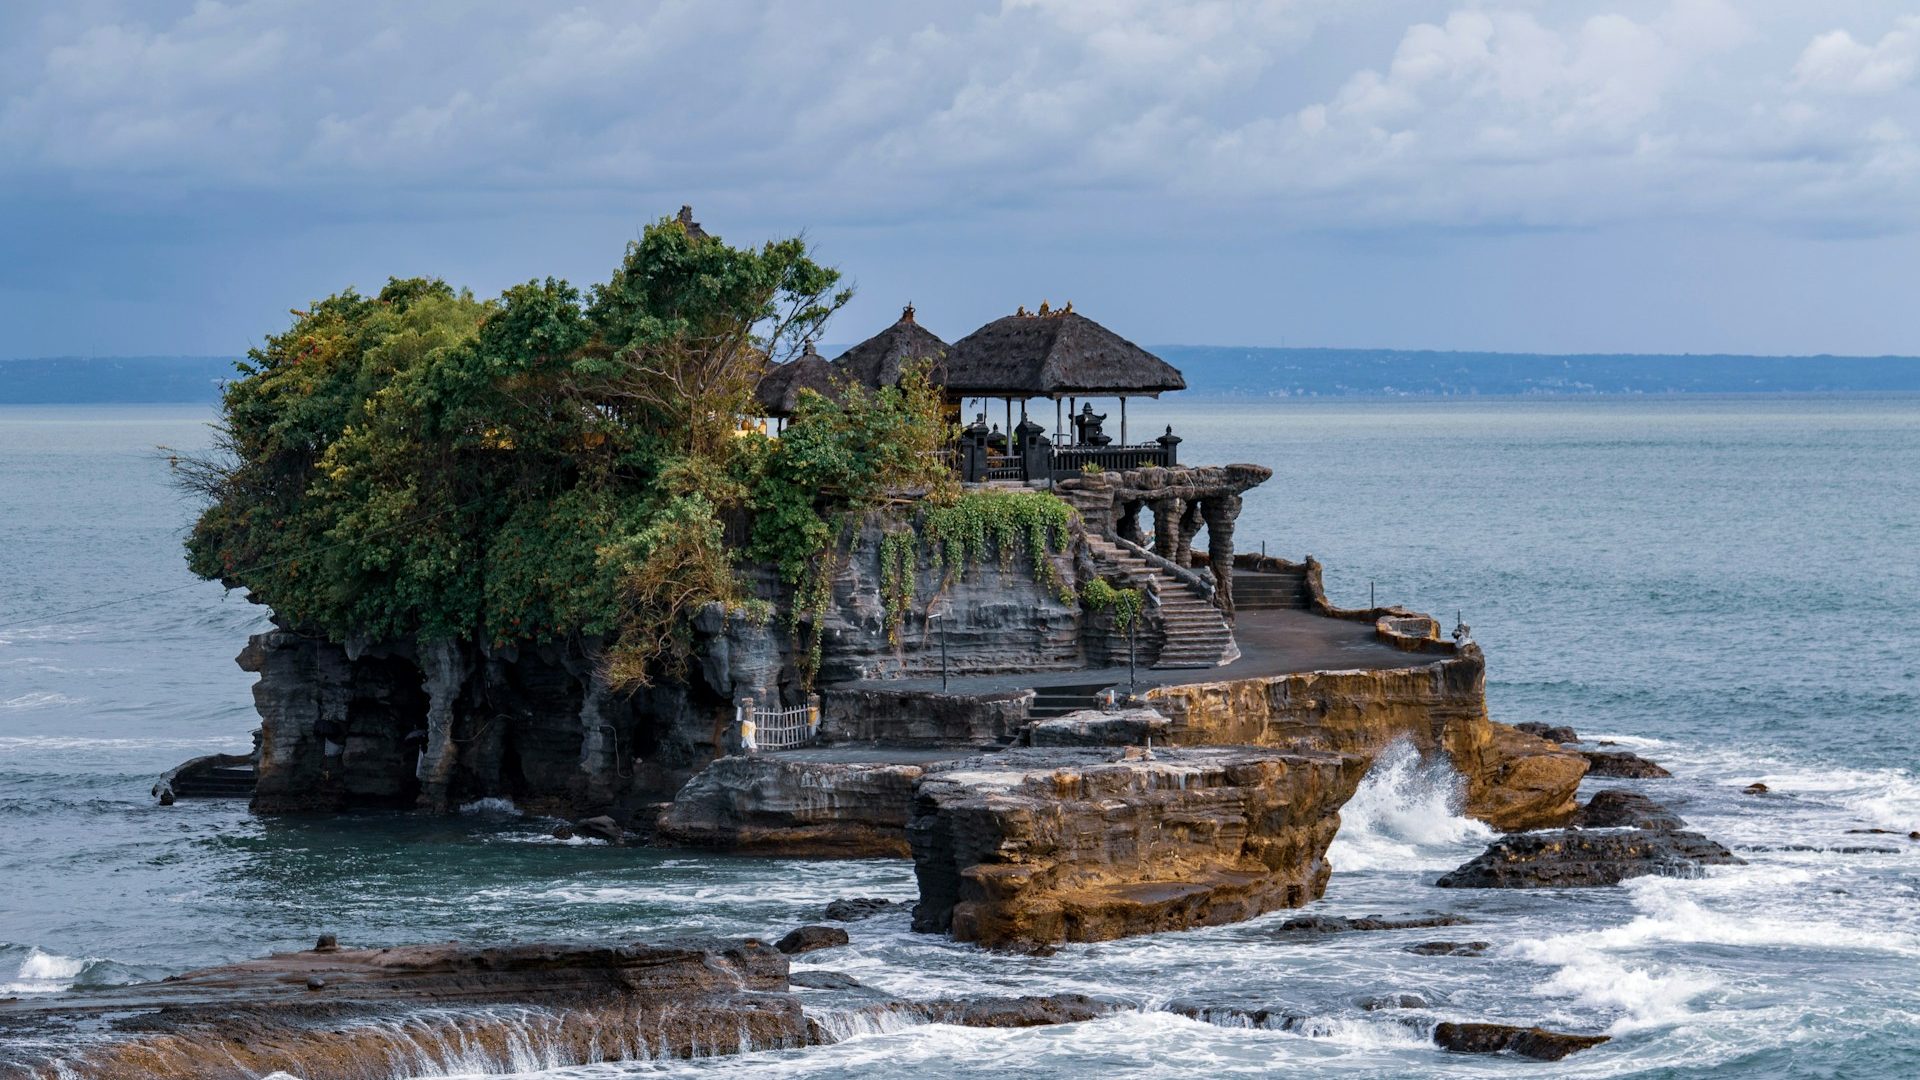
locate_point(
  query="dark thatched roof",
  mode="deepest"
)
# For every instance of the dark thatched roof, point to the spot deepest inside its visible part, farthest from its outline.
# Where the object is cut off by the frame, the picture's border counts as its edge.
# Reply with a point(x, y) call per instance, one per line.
point(876, 361)
point(1053, 355)
point(779, 391)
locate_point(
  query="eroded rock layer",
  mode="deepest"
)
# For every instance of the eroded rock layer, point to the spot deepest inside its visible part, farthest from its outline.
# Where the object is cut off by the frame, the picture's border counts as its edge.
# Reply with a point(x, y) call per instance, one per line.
point(1514, 780)
point(356, 1013)
point(1035, 846)
point(791, 804)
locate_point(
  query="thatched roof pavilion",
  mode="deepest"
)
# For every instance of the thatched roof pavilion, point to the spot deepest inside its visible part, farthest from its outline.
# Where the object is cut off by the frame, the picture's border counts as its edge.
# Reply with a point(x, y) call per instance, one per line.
point(1054, 354)
point(876, 362)
point(778, 393)
point(1059, 355)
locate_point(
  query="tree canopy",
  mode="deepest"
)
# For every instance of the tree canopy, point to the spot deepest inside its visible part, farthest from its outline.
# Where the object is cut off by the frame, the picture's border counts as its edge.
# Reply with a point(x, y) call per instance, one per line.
point(424, 465)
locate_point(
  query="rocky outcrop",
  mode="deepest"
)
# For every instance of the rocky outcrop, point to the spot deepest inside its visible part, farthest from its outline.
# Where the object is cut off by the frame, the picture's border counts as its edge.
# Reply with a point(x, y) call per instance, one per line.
point(1035, 846)
point(1573, 858)
point(1614, 809)
point(1549, 732)
point(360, 724)
point(1093, 727)
point(1622, 764)
point(1336, 924)
point(1528, 1042)
point(1514, 780)
point(856, 908)
point(1521, 781)
point(806, 939)
point(1450, 948)
point(795, 804)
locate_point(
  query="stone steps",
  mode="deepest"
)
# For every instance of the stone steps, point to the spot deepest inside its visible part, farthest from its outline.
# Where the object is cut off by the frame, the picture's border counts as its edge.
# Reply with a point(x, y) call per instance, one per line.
point(1196, 633)
point(1052, 701)
point(1255, 590)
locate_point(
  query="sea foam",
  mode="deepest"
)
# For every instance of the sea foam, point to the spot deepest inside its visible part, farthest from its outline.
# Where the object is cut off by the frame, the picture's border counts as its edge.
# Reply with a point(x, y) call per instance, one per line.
point(1406, 816)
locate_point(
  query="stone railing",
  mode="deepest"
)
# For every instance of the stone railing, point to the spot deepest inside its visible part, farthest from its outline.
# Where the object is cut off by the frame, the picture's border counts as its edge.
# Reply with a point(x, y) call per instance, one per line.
point(1186, 575)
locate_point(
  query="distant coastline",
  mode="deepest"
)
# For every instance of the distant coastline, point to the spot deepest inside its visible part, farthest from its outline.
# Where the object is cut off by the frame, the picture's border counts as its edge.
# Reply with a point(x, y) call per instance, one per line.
point(1213, 372)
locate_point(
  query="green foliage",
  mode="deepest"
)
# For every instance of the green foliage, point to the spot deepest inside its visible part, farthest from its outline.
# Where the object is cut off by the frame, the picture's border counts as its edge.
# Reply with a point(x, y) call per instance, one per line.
point(1005, 522)
point(839, 457)
point(1125, 603)
point(421, 464)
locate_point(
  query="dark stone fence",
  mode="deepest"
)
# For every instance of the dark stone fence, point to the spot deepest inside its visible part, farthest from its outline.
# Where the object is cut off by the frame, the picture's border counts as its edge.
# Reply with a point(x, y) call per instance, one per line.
point(984, 454)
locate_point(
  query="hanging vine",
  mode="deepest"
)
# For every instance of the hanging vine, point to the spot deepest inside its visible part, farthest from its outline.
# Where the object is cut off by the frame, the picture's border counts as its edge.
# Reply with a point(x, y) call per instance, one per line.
point(899, 561)
point(963, 531)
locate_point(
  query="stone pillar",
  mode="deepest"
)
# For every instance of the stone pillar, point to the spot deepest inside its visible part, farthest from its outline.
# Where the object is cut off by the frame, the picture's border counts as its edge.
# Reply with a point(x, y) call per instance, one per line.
point(445, 671)
point(1036, 451)
point(1189, 528)
point(1166, 527)
point(1220, 513)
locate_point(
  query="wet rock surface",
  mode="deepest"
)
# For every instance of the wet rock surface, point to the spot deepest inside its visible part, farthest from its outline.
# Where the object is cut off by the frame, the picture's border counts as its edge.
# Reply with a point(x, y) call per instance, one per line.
point(451, 1009)
point(808, 939)
point(1550, 732)
point(1337, 924)
point(856, 908)
point(824, 980)
point(1035, 846)
point(1528, 1042)
point(600, 828)
point(350, 1013)
point(1382, 1002)
point(1450, 948)
point(1572, 858)
point(1623, 764)
point(1615, 809)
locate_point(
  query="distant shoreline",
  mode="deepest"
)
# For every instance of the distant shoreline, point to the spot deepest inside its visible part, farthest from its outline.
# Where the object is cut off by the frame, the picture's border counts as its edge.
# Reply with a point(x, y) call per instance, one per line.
point(1213, 373)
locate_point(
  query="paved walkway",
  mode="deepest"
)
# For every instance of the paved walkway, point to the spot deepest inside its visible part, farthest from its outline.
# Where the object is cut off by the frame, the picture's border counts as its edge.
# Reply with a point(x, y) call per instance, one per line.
point(1271, 643)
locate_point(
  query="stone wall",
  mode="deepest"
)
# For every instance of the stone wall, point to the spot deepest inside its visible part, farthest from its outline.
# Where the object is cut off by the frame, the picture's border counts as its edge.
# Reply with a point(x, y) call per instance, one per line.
point(995, 619)
point(923, 717)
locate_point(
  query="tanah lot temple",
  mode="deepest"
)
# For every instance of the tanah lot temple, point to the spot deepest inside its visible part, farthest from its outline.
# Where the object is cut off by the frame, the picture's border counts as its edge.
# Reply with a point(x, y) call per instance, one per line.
point(1059, 764)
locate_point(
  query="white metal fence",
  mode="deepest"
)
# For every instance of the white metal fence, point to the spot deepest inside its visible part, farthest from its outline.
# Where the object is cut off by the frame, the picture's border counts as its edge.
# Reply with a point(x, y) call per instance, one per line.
point(776, 729)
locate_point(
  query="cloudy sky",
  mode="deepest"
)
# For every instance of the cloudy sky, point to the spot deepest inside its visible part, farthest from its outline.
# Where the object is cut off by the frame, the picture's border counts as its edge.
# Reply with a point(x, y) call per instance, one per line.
point(1698, 175)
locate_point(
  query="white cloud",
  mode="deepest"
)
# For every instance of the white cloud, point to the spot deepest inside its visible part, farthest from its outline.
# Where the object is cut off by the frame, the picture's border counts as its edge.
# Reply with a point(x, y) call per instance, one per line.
point(1302, 112)
point(1834, 62)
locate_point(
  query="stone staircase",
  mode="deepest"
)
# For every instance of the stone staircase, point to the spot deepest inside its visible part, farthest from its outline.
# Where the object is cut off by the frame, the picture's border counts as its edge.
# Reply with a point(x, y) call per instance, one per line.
point(1052, 701)
point(1262, 590)
point(1196, 634)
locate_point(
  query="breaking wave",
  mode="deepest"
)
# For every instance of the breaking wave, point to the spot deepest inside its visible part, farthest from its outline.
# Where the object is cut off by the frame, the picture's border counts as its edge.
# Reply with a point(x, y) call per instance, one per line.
point(34, 970)
point(1406, 816)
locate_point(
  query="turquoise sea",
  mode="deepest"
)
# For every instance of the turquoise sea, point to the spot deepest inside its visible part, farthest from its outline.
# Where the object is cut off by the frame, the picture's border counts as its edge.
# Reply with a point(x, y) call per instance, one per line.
point(1727, 585)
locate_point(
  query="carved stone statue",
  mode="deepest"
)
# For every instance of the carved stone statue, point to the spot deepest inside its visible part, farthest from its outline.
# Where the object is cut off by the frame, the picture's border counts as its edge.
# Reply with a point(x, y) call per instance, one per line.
point(1087, 426)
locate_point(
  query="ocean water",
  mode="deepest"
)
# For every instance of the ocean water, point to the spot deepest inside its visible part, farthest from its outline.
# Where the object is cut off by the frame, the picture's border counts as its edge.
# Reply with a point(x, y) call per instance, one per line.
point(1725, 585)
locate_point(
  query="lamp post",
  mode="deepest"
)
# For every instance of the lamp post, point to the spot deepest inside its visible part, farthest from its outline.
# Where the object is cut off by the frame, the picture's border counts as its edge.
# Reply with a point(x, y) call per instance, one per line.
point(1133, 655)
